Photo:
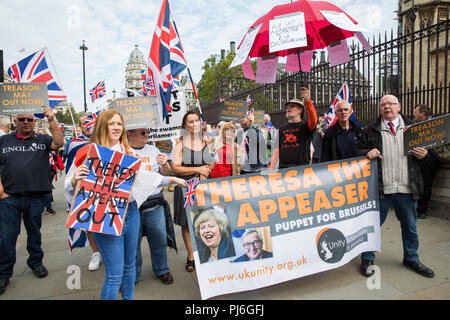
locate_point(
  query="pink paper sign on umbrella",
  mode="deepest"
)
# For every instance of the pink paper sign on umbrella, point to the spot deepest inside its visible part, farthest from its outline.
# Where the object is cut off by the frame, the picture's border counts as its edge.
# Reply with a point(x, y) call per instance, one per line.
point(338, 53)
point(363, 41)
point(292, 64)
point(248, 70)
point(305, 60)
point(266, 71)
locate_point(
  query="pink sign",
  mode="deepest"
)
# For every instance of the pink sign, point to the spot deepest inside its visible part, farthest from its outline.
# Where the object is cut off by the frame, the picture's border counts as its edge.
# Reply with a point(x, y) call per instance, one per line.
point(338, 53)
point(266, 71)
point(248, 70)
point(305, 60)
point(363, 41)
point(292, 63)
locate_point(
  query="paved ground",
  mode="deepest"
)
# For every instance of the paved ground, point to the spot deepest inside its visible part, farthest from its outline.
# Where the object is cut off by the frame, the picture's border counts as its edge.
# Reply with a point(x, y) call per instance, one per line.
point(397, 282)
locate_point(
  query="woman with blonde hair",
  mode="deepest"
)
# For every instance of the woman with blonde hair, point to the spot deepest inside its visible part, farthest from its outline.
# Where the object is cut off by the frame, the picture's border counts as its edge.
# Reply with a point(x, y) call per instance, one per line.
point(118, 252)
point(227, 152)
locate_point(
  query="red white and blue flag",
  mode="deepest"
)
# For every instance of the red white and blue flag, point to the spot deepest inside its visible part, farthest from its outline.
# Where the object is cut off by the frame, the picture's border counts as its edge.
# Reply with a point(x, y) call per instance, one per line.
point(77, 239)
point(104, 213)
point(189, 196)
point(166, 59)
point(35, 68)
point(90, 120)
point(343, 95)
point(148, 88)
point(98, 91)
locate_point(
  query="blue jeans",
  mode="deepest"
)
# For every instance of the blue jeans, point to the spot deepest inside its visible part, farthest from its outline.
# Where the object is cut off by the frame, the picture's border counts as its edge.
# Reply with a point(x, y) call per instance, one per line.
point(12, 209)
point(405, 211)
point(119, 257)
point(153, 222)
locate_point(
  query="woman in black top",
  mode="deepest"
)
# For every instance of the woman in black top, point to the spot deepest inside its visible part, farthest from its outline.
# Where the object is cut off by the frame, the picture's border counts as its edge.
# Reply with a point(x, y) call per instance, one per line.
point(191, 158)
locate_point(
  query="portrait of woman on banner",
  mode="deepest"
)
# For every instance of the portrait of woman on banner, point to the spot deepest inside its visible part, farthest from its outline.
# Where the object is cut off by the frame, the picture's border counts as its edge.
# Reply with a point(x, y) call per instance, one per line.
point(213, 236)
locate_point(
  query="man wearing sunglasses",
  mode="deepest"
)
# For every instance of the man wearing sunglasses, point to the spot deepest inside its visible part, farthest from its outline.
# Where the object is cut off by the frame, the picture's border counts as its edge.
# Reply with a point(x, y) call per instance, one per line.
point(25, 175)
point(156, 219)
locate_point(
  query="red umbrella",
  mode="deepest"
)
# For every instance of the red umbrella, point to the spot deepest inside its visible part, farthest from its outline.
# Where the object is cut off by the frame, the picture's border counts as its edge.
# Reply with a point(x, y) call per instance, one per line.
point(319, 31)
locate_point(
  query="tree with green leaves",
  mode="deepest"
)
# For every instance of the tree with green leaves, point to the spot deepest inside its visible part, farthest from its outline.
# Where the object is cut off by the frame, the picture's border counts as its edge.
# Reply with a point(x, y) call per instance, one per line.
point(220, 82)
point(64, 117)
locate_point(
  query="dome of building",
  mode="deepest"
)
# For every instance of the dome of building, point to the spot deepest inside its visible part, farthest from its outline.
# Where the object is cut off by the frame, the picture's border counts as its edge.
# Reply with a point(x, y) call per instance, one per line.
point(136, 55)
point(136, 63)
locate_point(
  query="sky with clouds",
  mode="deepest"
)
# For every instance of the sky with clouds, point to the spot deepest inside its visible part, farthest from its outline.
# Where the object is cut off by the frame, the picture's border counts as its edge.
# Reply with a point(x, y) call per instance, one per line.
point(111, 28)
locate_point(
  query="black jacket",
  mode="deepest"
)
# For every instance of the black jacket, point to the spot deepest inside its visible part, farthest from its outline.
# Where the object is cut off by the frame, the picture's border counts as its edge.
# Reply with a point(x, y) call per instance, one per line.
point(158, 199)
point(329, 143)
point(373, 134)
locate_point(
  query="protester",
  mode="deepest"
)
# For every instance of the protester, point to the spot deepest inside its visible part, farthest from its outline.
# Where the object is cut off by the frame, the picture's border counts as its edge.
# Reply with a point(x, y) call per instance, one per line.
point(69, 153)
point(5, 126)
point(254, 146)
point(156, 218)
point(399, 180)
point(252, 242)
point(25, 174)
point(317, 139)
point(268, 131)
point(212, 227)
point(191, 158)
point(118, 252)
point(227, 151)
point(294, 138)
point(342, 138)
point(423, 113)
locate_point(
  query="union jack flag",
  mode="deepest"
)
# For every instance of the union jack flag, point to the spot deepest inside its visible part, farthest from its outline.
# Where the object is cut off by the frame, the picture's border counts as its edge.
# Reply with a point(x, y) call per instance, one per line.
point(77, 239)
point(189, 196)
point(104, 213)
point(343, 94)
point(176, 82)
point(249, 101)
point(166, 59)
point(147, 87)
point(90, 120)
point(98, 91)
point(34, 68)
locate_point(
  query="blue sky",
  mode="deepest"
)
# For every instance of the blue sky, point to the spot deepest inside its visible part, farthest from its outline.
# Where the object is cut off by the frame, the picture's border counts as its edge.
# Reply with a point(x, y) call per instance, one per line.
point(111, 28)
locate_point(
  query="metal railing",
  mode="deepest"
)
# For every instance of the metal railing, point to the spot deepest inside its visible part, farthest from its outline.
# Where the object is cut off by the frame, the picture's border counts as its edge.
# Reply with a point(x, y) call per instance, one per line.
point(413, 67)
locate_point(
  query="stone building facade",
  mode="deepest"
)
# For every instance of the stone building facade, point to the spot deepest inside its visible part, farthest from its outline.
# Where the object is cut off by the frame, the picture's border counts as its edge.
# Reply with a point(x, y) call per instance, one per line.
point(136, 63)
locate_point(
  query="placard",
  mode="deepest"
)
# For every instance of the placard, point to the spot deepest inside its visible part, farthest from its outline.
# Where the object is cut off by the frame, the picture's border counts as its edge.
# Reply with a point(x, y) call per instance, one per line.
point(340, 20)
point(287, 32)
point(231, 110)
point(245, 47)
point(100, 202)
point(283, 225)
point(292, 62)
point(258, 117)
point(338, 53)
point(137, 112)
point(266, 69)
point(427, 134)
point(172, 123)
point(23, 98)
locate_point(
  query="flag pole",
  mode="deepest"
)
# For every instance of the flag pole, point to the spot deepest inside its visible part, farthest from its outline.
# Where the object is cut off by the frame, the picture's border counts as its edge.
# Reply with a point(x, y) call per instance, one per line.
point(59, 81)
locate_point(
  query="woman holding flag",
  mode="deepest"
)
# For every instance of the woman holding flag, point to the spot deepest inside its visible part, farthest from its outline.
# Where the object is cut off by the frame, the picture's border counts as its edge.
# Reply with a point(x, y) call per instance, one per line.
point(191, 158)
point(118, 252)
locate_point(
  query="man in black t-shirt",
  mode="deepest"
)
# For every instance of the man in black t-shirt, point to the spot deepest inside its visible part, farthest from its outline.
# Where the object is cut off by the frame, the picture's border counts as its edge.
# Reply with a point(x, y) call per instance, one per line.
point(25, 178)
point(294, 138)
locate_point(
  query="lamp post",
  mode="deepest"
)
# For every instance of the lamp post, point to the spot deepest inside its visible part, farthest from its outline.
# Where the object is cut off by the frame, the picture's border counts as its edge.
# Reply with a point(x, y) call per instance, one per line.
point(84, 48)
point(114, 93)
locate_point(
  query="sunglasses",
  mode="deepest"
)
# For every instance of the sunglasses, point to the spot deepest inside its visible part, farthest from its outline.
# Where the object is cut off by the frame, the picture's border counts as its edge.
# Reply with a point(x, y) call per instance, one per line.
point(142, 133)
point(25, 119)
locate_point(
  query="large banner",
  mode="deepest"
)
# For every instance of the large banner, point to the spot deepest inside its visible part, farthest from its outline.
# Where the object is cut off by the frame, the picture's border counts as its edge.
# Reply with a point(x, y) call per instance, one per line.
point(171, 127)
point(253, 231)
point(100, 202)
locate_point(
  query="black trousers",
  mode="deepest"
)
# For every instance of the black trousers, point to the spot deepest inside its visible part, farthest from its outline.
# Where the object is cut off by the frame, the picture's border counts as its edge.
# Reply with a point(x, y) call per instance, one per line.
point(428, 174)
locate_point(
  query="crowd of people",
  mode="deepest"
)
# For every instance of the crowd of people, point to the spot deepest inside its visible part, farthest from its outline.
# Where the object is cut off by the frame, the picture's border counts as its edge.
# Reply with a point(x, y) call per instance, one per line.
point(234, 148)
